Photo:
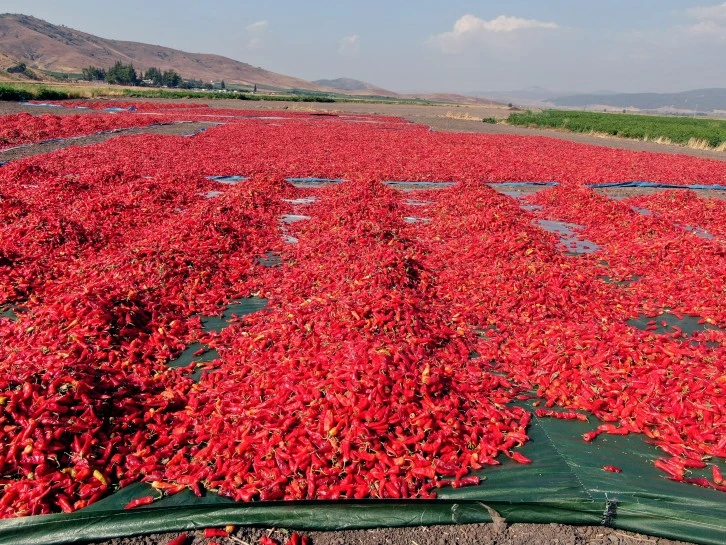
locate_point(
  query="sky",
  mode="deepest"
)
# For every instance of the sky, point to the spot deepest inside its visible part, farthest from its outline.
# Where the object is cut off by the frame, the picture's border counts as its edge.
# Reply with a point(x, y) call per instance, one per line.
point(429, 45)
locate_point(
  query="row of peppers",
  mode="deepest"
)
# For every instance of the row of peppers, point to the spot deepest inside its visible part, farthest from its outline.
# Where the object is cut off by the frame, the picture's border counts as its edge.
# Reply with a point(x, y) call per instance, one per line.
point(24, 128)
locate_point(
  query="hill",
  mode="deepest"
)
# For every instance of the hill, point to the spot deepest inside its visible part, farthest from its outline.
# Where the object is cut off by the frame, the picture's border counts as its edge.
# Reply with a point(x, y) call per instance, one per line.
point(701, 100)
point(351, 86)
point(44, 46)
point(49, 49)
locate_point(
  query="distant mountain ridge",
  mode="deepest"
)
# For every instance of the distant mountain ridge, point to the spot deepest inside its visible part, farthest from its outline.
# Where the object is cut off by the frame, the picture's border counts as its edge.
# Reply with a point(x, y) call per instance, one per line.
point(697, 100)
point(530, 94)
point(345, 84)
point(355, 86)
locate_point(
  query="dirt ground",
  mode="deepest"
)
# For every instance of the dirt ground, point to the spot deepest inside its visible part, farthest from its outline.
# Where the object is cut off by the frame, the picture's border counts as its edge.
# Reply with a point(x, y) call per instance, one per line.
point(451, 118)
point(469, 534)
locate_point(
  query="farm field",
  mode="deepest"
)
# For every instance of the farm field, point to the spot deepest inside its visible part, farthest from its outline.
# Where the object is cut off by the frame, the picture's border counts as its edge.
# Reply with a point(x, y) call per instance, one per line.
point(306, 305)
point(680, 130)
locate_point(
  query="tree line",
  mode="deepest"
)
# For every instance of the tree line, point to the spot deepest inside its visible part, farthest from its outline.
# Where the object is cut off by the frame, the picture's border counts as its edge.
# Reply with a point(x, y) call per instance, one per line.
point(126, 74)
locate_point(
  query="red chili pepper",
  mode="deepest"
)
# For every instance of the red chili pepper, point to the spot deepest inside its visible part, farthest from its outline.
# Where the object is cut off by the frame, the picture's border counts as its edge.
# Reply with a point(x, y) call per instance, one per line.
point(520, 458)
point(179, 540)
point(145, 500)
point(215, 532)
point(717, 475)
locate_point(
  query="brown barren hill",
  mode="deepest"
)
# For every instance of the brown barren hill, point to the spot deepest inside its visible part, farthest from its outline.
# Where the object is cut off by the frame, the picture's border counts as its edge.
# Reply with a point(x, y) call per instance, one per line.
point(45, 46)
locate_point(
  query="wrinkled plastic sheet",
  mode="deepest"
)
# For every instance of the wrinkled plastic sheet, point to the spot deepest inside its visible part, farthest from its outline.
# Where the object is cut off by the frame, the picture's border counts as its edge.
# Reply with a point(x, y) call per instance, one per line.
point(658, 185)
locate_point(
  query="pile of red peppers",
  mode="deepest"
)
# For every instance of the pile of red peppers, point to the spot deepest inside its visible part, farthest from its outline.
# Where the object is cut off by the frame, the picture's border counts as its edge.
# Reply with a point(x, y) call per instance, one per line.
point(23, 128)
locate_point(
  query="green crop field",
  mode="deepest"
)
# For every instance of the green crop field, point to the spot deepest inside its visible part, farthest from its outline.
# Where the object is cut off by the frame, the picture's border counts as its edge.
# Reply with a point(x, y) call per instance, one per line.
point(693, 132)
point(20, 92)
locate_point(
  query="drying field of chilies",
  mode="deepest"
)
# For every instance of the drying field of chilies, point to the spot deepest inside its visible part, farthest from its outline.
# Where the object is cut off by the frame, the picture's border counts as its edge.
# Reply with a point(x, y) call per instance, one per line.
point(297, 306)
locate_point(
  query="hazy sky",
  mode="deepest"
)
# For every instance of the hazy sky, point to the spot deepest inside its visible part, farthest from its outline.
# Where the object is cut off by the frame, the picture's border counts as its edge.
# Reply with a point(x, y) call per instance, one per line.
point(430, 45)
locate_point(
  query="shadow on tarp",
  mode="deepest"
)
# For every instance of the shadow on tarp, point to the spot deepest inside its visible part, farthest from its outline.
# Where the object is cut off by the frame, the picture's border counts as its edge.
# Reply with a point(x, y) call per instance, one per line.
point(564, 484)
point(658, 185)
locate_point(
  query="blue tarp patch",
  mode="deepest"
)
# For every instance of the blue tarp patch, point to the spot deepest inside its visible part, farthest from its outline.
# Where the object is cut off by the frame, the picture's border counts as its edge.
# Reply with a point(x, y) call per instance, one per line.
point(658, 185)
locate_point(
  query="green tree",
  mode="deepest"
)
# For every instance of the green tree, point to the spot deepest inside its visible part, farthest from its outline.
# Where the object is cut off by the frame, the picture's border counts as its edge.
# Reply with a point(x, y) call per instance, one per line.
point(17, 69)
point(93, 73)
point(170, 78)
point(155, 75)
point(122, 74)
point(222, 85)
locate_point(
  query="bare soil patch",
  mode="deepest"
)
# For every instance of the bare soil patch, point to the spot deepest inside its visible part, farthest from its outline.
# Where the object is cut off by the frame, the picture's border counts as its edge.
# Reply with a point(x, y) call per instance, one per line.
point(466, 534)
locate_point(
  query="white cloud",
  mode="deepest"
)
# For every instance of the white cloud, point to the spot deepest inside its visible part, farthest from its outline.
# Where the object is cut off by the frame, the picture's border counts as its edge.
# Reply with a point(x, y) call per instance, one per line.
point(349, 45)
point(711, 22)
point(256, 31)
point(258, 27)
point(711, 13)
point(470, 28)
